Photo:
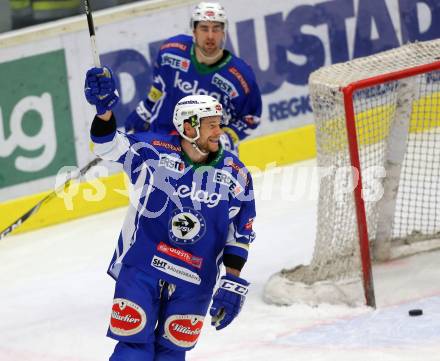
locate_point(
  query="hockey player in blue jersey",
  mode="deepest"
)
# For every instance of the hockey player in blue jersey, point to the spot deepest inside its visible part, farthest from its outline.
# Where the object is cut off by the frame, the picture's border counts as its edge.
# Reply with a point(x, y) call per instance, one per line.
point(199, 64)
point(191, 210)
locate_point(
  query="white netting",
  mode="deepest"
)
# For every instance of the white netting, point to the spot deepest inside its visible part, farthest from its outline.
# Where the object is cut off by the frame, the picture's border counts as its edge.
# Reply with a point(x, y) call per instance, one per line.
point(407, 150)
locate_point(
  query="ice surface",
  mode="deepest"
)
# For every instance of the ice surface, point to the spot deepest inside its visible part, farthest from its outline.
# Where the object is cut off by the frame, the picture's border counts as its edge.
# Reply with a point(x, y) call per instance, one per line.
point(55, 296)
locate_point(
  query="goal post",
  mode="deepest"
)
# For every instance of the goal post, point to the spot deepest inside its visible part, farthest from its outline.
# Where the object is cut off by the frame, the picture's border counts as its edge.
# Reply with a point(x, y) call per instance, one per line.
point(377, 125)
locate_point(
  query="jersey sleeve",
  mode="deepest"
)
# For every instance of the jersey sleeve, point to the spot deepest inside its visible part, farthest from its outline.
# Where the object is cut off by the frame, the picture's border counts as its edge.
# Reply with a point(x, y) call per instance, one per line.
point(241, 233)
point(157, 88)
point(248, 112)
point(110, 144)
point(157, 91)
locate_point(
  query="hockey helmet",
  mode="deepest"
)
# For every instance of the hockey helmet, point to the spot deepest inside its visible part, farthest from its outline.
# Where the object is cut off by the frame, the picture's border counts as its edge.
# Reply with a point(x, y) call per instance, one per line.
point(206, 11)
point(193, 108)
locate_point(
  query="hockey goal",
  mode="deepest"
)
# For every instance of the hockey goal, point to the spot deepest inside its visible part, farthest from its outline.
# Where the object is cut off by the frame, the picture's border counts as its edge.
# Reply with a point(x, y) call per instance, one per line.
point(378, 141)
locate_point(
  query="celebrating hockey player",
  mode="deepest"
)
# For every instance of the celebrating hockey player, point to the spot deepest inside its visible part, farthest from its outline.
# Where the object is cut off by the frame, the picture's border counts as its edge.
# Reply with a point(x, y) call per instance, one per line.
point(193, 210)
point(201, 65)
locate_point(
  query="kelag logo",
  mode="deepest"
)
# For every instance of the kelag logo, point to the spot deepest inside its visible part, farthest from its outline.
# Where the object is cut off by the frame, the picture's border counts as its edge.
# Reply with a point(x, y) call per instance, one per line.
point(36, 132)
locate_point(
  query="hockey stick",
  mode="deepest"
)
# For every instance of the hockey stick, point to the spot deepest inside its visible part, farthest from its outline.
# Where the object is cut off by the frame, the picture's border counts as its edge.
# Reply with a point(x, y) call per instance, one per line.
point(92, 35)
point(20, 220)
point(95, 53)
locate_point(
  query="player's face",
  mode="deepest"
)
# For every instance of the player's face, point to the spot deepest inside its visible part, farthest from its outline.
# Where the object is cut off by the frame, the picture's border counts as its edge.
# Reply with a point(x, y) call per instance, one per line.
point(209, 36)
point(210, 132)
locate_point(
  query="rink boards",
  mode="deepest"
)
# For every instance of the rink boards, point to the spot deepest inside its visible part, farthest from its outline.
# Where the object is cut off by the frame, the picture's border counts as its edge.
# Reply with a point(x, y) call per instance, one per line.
point(45, 124)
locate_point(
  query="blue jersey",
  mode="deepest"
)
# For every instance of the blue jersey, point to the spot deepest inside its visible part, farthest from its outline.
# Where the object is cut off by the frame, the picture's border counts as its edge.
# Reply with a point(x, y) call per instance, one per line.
point(183, 217)
point(177, 73)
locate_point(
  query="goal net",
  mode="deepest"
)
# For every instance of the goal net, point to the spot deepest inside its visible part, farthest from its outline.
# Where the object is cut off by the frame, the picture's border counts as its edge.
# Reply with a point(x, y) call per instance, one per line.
point(378, 141)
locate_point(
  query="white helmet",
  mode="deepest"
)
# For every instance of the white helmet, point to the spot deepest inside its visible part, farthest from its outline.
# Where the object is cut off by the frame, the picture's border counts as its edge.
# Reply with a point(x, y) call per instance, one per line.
point(193, 108)
point(209, 12)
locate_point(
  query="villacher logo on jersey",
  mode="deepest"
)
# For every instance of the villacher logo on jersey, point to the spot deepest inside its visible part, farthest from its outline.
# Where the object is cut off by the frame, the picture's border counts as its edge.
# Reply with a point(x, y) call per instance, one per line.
point(183, 330)
point(128, 318)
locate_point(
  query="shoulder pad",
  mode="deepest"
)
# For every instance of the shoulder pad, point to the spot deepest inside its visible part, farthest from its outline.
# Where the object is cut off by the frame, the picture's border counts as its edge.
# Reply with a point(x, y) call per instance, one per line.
point(179, 42)
point(169, 143)
point(237, 167)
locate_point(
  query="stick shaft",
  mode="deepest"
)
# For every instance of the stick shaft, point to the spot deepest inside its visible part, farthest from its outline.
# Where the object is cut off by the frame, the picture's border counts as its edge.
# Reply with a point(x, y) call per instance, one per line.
point(91, 26)
point(25, 216)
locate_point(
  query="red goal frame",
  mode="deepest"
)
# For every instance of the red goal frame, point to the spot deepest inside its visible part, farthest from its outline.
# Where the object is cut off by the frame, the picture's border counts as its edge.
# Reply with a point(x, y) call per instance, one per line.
point(350, 120)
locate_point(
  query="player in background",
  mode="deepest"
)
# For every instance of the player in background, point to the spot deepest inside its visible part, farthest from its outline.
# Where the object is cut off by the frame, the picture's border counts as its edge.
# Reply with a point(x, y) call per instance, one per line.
point(191, 210)
point(200, 64)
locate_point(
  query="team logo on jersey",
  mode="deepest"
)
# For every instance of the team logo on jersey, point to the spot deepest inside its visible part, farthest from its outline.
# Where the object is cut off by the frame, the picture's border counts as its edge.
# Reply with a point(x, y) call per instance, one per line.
point(174, 270)
point(175, 61)
point(128, 318)
point(225, 85)
point(180, 254)
point(172, 163)
point(226, 178)
point(186, 226)
point(183, 330)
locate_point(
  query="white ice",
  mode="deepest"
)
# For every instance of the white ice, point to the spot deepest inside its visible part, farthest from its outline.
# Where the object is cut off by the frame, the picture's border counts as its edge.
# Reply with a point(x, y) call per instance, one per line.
point(55, 296)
